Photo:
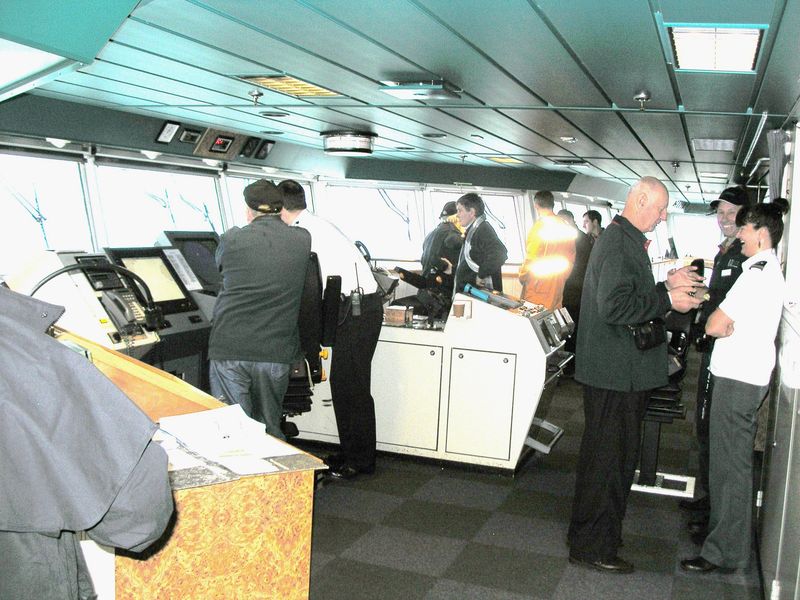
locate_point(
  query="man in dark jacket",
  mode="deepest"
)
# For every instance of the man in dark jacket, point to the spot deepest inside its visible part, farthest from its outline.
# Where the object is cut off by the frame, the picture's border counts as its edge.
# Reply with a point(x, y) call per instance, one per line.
point(619, 292)
point(254, 335)
point(483, 254)
point(442, 246)
point(573, 287)
point(77, 455)
point(727, 268)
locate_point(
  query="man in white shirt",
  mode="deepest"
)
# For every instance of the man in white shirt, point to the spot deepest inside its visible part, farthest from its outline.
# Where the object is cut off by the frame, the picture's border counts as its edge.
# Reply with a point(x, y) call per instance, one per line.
point(356, 334)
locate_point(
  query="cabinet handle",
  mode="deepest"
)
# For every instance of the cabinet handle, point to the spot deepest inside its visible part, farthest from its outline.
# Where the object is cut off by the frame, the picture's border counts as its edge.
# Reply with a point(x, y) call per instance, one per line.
point(460, 356)
point(433, 352)
point(505, 360)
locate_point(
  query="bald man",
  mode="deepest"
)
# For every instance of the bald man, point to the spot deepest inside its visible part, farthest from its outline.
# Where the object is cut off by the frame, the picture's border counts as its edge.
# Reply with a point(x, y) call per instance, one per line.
point(619, 292)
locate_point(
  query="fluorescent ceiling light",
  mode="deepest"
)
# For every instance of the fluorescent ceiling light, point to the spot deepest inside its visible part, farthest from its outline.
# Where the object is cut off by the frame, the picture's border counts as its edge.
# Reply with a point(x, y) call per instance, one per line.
point(713, 145)
point(703, 47)
point(568, 139)
point(714, 175)
point(211, 162)
point(434, 136)
point(420, 90)
point(150, 154)
point(291, 86)
point(505, 160)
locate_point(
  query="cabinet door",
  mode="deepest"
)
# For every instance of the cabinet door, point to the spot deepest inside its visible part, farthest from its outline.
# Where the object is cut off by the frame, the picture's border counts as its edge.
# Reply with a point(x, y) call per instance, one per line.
point(406, 379)
point(481, 403)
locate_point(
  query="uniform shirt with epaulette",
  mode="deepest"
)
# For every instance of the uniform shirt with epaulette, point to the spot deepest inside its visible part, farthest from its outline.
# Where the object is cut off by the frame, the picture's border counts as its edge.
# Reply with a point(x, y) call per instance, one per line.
point(727, 268)
point(754, 303)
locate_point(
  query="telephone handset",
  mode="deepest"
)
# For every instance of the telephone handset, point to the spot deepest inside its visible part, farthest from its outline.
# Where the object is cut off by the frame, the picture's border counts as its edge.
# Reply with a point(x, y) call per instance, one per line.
point(124, 311)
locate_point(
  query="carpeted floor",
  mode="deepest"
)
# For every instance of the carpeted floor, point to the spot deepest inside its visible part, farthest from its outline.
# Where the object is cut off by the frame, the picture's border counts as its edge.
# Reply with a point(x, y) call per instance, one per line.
point(417, 529)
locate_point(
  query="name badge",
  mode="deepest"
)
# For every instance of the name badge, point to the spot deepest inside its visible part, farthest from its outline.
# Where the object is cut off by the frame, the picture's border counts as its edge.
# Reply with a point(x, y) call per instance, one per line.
point(726, 273)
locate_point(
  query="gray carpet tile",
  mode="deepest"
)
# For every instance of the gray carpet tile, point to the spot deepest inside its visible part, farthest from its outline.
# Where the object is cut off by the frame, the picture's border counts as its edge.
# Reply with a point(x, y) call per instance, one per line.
point(405, 550)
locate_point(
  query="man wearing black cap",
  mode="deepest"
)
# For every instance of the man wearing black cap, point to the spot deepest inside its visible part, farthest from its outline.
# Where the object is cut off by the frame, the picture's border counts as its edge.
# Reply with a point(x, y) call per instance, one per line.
point(442, 246)
point(357, 333)
point(727, 268)
point(254, 335)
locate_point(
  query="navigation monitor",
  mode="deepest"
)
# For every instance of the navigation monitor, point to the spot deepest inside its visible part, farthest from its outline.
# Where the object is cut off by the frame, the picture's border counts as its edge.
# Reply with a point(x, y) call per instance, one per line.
point(152, 265)
point(199, 249)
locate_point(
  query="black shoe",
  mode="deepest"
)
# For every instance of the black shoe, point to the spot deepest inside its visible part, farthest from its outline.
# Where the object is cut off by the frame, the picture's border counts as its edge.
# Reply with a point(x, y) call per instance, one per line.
point(698, 564)
point(701, 504)
point(613, 565)
point(348, 471)
point(334, 460)
point(343, 472)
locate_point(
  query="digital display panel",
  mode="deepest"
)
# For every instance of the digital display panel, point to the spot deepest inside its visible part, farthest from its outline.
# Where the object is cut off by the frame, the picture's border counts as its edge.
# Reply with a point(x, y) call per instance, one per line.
point(199, 248)
point(221, 144)
point(157, 276)
point(152, 265)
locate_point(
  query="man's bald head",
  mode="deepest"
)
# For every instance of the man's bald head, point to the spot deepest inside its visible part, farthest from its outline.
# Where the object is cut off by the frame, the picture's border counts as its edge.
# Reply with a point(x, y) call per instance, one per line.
point(646, 204)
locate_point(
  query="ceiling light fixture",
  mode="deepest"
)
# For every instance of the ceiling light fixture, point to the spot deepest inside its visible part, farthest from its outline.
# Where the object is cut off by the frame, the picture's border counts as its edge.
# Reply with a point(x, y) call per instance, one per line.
point(404, 147)
point(211, 162)
point(291, 86)
point(434, 136)
point(272, 132)
point(274, 114)
point(57, 142)
point(421, 90)
point(568, 139)
point(152, 155)
point(477, 136)
point(712, 47)
point(713, 175)
point(348, 143)
point(505, 160)
point(713, 145)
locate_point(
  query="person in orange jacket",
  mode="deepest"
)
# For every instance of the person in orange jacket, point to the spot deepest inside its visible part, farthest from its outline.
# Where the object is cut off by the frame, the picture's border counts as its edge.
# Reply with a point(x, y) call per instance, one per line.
point(550, 255)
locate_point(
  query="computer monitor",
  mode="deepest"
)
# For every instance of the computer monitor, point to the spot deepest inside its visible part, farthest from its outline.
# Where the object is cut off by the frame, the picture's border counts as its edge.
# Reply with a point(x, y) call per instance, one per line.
point(152, 265)
point(199, 249)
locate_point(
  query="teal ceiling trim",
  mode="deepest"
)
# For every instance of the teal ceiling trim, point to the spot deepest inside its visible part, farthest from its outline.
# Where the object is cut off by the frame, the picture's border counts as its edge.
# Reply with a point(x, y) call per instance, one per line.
point(75, 29)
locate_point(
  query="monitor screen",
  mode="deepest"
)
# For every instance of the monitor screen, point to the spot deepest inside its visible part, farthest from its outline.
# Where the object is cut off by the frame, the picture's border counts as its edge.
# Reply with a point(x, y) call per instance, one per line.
point(156, 275)
point(199, 249)
point(152, 265)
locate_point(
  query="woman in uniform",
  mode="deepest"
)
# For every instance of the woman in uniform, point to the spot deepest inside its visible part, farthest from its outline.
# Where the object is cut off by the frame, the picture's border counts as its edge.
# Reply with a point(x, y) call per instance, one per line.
point(745, 325)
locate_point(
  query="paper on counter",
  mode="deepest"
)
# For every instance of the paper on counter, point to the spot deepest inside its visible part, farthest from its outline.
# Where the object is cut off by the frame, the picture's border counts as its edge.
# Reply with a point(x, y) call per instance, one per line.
point(229, 437)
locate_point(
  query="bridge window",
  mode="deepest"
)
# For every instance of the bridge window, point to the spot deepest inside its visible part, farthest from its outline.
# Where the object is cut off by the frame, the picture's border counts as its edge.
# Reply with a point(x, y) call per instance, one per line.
point(138, 204)
point(43, 208)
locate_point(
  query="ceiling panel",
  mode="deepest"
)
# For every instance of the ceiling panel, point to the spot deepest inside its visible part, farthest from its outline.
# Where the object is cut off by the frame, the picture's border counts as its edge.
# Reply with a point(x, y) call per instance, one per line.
point(661, 133)
point(553, 125)
point(716, 92)
point(617, 139)
point(512, 129)
point(490, 31)
point(618, 42)
point(430, 45)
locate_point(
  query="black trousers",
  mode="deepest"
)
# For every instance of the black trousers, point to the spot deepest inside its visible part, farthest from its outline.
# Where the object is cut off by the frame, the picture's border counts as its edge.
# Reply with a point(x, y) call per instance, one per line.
point(702, 418)
point(606, 465)
point(351, 375)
